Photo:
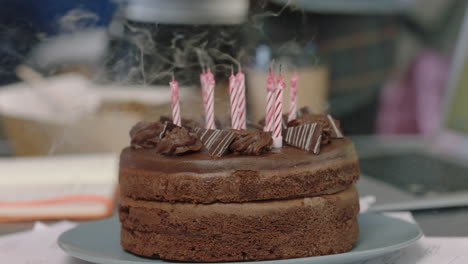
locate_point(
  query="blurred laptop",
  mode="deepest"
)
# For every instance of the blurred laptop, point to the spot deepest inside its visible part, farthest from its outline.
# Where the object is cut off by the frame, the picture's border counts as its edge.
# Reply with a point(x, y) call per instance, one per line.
point(412, 172)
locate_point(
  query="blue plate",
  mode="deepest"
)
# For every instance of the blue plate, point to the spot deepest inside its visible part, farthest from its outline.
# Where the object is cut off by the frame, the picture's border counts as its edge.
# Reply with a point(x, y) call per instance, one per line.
point(99, 242)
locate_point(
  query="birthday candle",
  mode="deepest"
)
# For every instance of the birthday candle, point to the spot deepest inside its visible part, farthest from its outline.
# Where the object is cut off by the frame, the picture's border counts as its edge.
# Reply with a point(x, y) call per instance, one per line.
point(175, 101)
point(278, 114)
point(234, 100)
point(293, 98)
point(203, 83)
point(240, 81)
point(209, 102)
point(270, 101)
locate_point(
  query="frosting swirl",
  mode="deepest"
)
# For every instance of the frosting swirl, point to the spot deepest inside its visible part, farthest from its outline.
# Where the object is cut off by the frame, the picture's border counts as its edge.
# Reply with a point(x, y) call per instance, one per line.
point(167, 138)
point(251, 142)
point(146, 134)
point(178, 140)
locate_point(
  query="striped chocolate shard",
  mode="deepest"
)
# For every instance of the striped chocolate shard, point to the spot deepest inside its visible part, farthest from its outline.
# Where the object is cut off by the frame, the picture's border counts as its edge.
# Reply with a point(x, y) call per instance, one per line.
point(215, 141)
point(335, 132)
point(306, 137)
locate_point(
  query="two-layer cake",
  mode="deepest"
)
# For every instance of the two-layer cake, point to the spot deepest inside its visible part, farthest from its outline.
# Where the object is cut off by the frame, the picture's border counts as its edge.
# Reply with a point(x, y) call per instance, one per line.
point(190, 194)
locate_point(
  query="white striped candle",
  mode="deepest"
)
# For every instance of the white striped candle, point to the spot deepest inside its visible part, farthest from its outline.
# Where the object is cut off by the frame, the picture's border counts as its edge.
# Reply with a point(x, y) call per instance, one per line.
point(240, 81)
point(234, 100)
point(209, 108)
point(293, 98)
point(270, 102)
point(203, 83)
point(278, 114)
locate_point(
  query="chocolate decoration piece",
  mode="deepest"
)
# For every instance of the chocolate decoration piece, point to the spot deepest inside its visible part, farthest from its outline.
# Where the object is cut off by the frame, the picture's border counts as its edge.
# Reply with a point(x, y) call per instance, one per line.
point(215, 141)
point(251, 142)
point(329, 125)
point(167, 138)
point(306, 137)
point(177, 140)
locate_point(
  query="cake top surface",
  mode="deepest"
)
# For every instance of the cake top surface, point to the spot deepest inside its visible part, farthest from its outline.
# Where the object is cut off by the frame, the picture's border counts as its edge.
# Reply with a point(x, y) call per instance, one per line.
point(201, 162)
point(190, 164)
point(163, 146)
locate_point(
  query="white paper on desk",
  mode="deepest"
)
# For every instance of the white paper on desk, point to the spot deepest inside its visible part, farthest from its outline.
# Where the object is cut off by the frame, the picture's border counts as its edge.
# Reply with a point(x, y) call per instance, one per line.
point(39, 226)
point(366, 202)
point(406, 216)
point(37, 246)
point(429, 250)
point(54, 177)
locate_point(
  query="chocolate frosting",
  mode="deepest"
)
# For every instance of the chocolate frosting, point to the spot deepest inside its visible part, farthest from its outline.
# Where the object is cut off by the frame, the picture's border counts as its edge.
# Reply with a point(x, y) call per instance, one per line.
point(201, 162)
point(146, 134)
point(167, 138)
point(178, 140)
point(251, 142)
point(322, 120)
point(286, 173)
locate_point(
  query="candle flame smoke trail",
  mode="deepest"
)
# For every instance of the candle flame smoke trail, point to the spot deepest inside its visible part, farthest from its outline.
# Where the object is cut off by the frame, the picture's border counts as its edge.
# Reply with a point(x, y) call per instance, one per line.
point(148, 53)
point(162, 48)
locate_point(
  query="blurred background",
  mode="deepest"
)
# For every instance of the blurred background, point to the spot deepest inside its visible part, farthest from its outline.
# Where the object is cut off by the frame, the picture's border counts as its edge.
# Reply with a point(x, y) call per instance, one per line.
point(75, 75)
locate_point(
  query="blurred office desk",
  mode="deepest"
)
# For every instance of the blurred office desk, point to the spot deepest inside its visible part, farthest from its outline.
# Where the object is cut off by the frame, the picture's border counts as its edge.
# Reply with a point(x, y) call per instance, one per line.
point(8, 228)
point(443, 222)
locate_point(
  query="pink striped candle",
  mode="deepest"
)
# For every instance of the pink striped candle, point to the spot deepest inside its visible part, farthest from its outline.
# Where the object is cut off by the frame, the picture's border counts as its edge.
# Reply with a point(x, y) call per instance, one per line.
point(203, 87)
point(175, 101)
point(278, 114)
point(293, 98)
point(234, 100)
point(240, 81)
point(270, 101)
point(203, 82)
point(209, 101)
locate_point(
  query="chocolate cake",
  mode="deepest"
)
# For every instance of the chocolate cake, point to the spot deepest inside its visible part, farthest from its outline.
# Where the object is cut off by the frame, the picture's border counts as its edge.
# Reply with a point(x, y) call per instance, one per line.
point(190, 194)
